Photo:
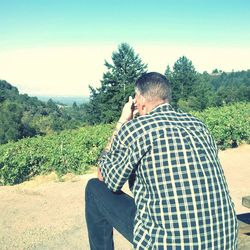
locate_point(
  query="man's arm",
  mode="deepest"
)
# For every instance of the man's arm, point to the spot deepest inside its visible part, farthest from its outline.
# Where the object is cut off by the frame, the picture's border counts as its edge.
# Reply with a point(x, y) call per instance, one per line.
point(128, 112)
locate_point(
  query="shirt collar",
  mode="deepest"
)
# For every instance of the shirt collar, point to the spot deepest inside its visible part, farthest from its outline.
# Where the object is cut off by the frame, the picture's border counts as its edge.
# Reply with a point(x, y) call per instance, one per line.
point(162, 108)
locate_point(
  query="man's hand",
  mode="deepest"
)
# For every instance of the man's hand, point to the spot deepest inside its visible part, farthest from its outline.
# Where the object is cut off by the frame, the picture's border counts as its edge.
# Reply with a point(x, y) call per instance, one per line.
point(99, 174)
point(128, 111)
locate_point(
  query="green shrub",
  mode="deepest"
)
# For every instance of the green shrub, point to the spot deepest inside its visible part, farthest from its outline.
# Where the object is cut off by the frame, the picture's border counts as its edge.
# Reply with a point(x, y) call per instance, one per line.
point(77, 150)
point(70, 151)
point(230, 125)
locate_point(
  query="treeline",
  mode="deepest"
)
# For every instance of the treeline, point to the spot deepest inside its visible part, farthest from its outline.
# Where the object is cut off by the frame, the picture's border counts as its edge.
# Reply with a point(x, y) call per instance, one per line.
point(191, 90)
point(23, 116)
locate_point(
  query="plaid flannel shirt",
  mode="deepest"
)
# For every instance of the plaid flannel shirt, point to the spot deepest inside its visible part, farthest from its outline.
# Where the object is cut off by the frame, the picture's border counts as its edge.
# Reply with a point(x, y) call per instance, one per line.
point(179, 187)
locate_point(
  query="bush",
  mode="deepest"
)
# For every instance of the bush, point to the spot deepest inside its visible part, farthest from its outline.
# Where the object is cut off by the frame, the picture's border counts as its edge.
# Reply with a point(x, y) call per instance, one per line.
point(230, 125)
point(77, 150)
point(70, 151)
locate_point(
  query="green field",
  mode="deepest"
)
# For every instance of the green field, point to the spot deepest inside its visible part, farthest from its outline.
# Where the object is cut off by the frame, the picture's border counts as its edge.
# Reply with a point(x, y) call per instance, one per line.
point(77, 150)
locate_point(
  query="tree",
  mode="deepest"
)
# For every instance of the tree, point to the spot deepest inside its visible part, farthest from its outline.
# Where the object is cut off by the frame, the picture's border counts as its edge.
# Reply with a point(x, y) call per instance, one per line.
point(74, 106)
point(24, 116)
point(10, 120)
point(184, 79)
point(116, 86)
point(168, 73)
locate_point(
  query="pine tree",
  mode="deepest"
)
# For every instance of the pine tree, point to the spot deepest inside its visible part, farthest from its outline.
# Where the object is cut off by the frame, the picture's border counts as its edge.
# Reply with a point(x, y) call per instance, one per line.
point(168, 73)
point(184, 79)
point(117, 85)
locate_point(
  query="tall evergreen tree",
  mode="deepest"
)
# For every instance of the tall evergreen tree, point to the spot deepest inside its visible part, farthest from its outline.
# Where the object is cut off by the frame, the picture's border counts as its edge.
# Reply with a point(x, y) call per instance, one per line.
point(116, 86)
point(168, 73)
point(184, 78)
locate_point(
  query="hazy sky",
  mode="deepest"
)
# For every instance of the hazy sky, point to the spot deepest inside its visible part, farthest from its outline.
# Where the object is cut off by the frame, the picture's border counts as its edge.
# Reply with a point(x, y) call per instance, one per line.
point(57, 47)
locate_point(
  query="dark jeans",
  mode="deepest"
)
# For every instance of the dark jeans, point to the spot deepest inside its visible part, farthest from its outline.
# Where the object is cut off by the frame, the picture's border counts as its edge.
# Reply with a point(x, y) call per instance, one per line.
point(104, 210)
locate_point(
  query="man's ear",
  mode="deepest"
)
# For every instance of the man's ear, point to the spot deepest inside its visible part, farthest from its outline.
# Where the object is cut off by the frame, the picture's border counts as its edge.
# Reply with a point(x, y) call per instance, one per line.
point(143, 102)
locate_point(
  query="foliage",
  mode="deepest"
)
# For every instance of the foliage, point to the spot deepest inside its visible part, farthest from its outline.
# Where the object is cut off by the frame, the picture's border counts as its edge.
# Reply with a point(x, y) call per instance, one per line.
point(195, 91)
point(23, 116)
point(117, 85)
point(77, 150)
point(70, 151)
point(230, 125)
point(183, 79)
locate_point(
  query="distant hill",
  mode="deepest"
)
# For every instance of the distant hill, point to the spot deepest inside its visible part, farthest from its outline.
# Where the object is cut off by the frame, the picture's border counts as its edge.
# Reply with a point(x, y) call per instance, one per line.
point(67, 100)
point(24, 116)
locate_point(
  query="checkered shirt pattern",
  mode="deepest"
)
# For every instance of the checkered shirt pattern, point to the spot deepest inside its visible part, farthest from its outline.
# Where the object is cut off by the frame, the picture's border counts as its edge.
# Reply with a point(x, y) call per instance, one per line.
point(179, 187)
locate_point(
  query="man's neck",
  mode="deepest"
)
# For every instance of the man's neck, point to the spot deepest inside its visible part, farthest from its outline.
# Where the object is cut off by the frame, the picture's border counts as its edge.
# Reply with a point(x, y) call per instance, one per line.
point(153, 105)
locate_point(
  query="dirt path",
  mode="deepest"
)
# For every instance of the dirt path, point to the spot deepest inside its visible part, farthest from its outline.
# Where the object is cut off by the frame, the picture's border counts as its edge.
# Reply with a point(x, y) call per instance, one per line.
point(47, 214)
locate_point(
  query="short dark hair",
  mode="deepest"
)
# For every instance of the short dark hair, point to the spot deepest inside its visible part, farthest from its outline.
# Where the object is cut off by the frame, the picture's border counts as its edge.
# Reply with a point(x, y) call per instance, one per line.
point(153, 86)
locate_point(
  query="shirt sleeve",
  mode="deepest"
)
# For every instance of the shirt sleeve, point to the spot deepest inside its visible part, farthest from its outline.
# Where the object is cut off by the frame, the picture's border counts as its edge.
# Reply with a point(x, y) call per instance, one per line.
point(117, 165)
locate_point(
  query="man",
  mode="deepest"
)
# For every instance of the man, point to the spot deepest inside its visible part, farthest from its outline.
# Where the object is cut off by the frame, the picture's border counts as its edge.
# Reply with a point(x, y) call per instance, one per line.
point(181, 199)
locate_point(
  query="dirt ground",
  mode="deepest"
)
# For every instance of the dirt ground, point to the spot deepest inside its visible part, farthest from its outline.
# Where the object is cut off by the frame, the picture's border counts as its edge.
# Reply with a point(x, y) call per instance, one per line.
point(49, 214)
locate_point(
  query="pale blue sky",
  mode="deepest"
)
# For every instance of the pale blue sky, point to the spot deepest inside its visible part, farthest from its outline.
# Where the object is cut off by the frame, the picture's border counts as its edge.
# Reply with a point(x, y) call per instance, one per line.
point(60, 22)
point(186, 24)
